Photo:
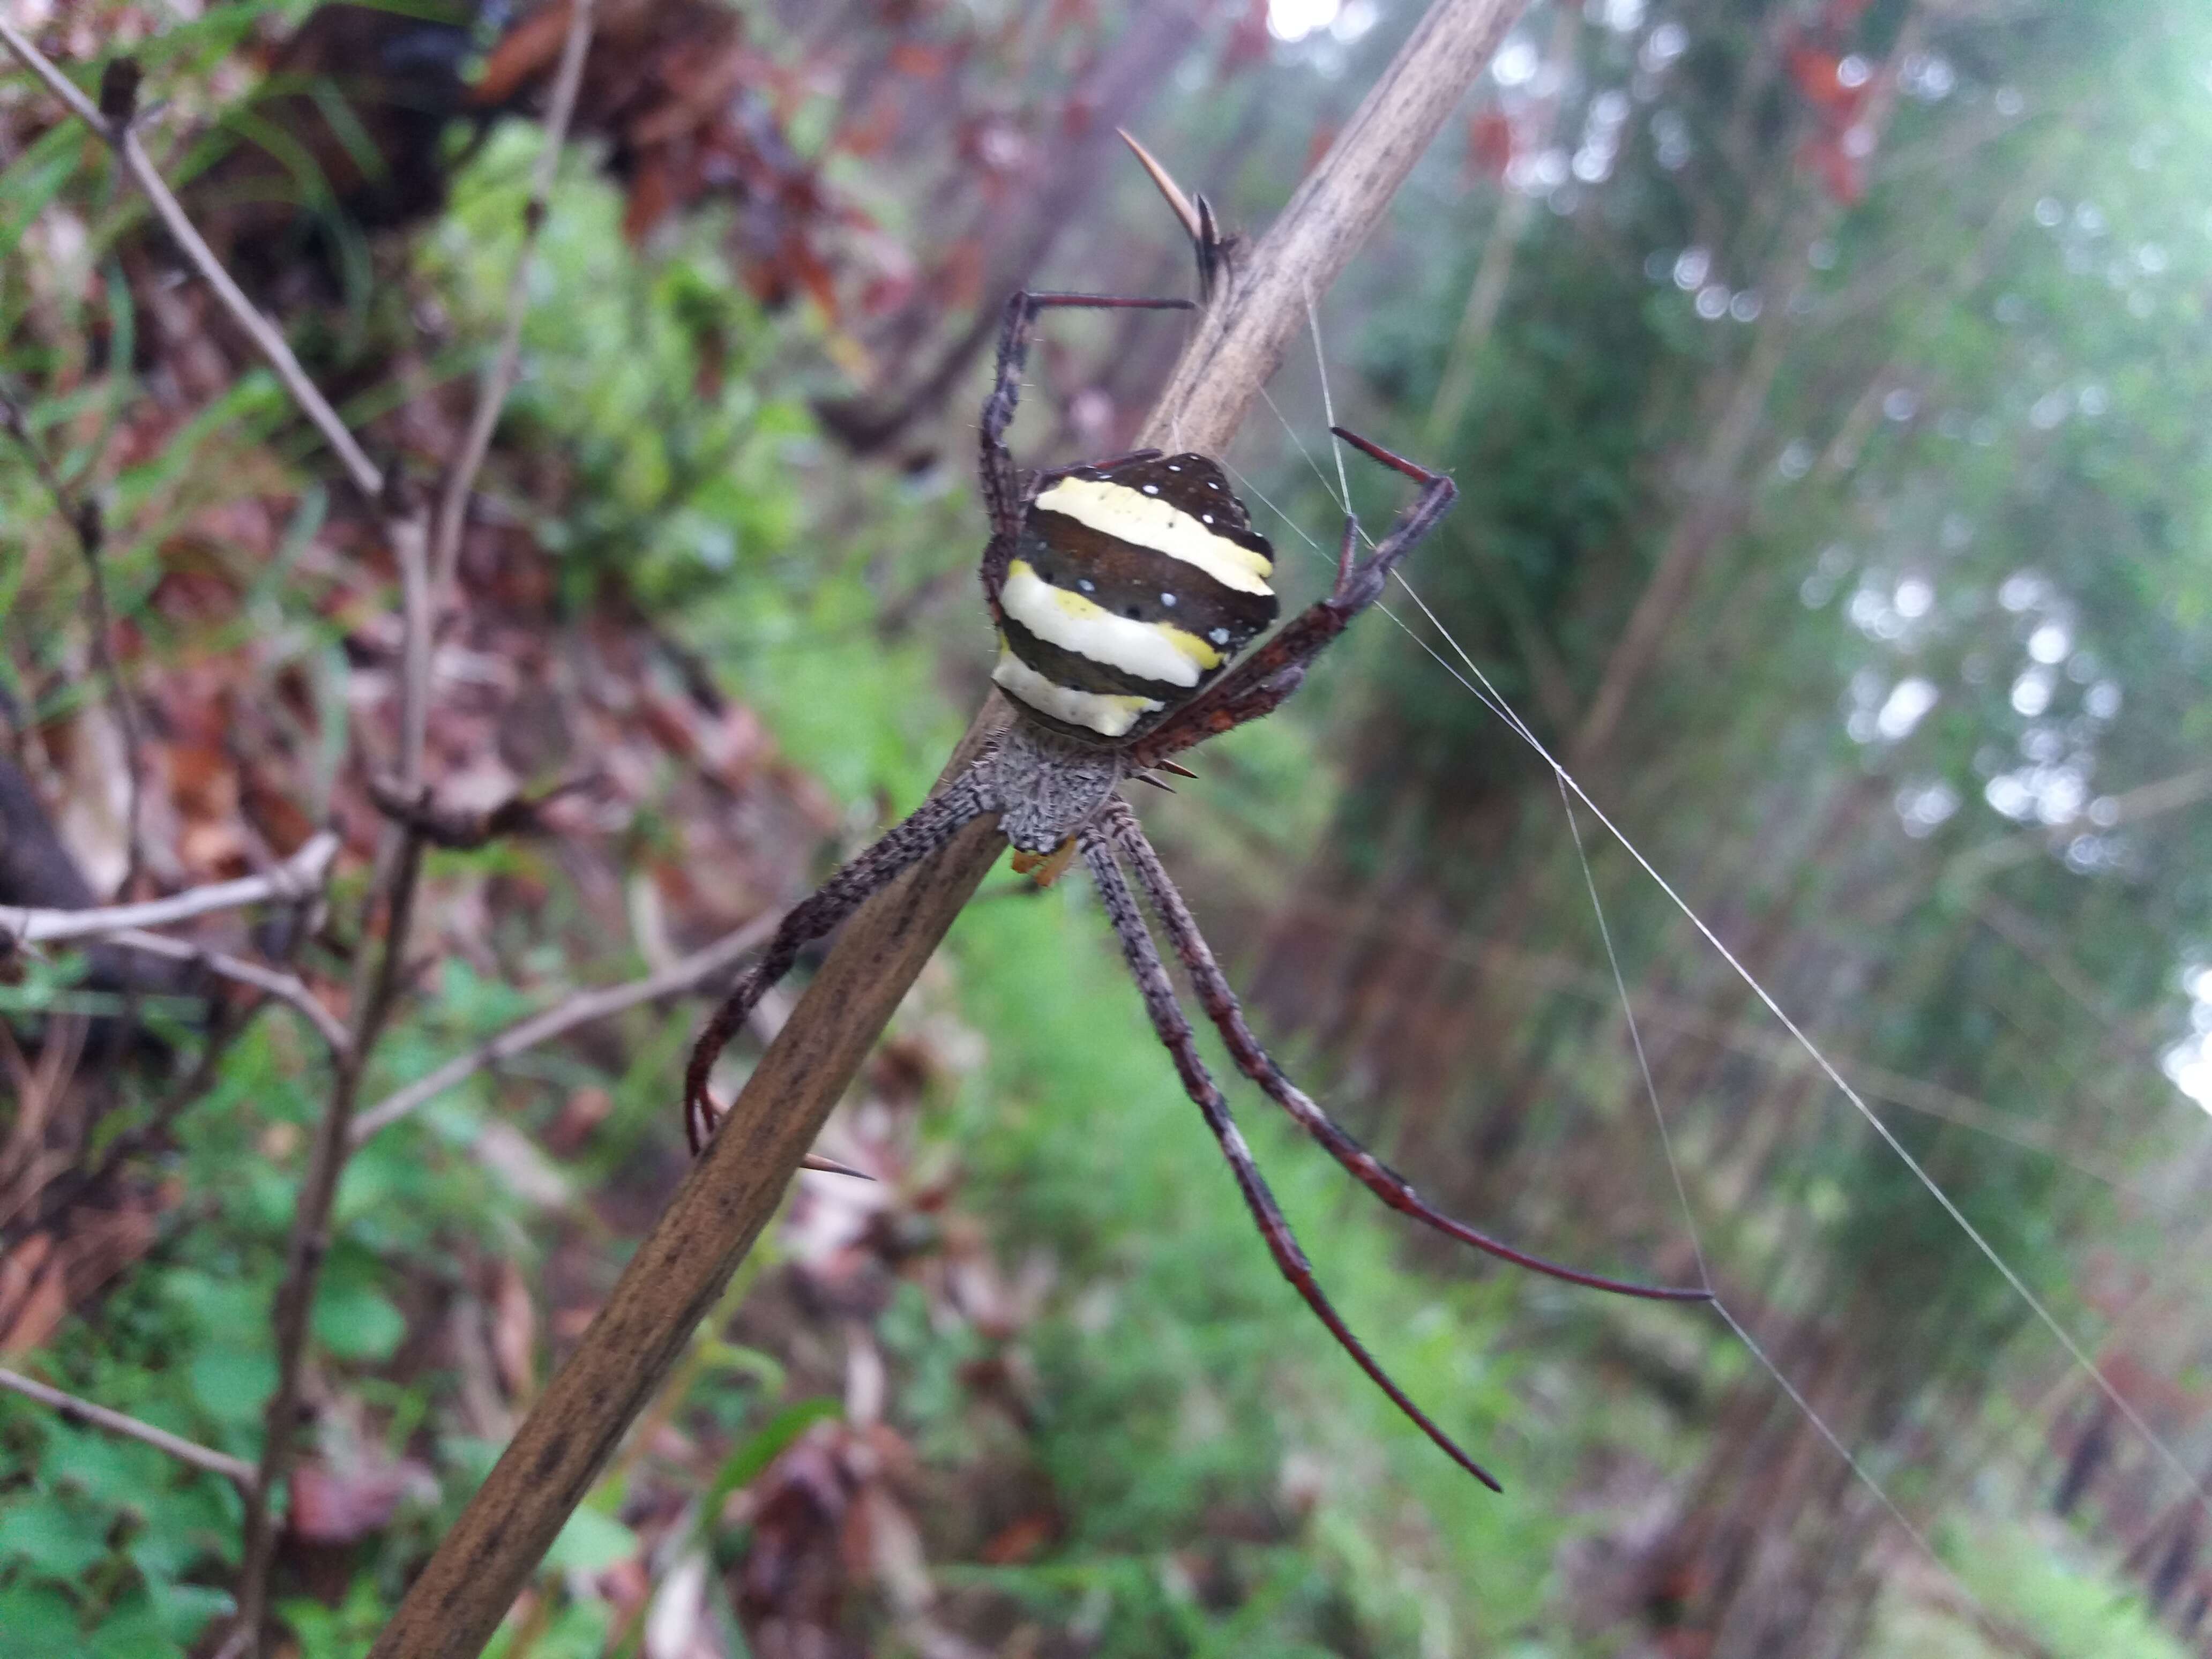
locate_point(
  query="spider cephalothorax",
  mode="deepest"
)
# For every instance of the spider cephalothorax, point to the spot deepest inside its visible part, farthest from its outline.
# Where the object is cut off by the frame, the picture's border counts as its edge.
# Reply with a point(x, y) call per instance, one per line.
point(1122, 590)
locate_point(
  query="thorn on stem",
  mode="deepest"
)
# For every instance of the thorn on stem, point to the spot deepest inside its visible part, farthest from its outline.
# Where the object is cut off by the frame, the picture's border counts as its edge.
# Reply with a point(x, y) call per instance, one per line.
point(1213, 248)
point(1165, 182)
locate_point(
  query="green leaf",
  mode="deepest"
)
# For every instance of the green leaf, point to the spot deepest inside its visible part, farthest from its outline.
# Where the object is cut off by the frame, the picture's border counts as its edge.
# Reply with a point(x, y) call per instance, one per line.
point(154, 1624)
point(590, 1542)
point(58, 1538)
point(102, 1466)
point(756, 1454)
point(354, 1323)
point(39, 1622)
point(181, 1612)
point(231, 1383)
point(185, 1526)
point(35, 179)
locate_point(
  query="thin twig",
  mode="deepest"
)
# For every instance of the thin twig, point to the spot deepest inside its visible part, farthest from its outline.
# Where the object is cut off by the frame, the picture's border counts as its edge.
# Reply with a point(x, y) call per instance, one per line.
point(398, 864)
point(460, 829)
point(287, 988)
point(562, 1017)
point(236, 1470)
point(84, 519)
point(393, 890)
point(307, 1245)
point(123, 138)
point(679, 1270)
point(299, 877)
point(454, 506)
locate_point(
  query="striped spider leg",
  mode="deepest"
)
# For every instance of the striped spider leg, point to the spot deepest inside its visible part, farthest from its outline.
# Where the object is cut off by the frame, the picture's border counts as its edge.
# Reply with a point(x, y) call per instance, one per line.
point(1006, 494)
point(1174, 1032)
point(1253, 688)
point(1122, 591)
point(1116, 824)
point(930, 825)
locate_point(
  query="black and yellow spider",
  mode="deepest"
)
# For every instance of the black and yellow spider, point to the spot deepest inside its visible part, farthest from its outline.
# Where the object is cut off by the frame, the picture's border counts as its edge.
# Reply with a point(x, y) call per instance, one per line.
point(1122, 591)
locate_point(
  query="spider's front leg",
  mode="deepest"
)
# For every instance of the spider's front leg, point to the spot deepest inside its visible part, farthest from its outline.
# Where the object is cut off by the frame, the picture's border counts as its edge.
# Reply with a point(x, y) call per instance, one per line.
point(1004, 497)
point(1175, 1033)
point(931, 825)
point(1118, 823)
point(1265, 680)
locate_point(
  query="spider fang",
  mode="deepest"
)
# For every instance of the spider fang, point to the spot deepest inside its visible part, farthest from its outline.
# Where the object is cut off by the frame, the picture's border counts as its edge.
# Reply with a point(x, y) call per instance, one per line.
point(1045, 868)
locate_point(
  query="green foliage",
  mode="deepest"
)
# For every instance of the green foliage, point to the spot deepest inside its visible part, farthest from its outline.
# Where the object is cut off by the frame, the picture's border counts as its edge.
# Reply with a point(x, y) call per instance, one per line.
point(1185, 1375)
point(2037, 1580)
point(103, 1543)
point(642, 373)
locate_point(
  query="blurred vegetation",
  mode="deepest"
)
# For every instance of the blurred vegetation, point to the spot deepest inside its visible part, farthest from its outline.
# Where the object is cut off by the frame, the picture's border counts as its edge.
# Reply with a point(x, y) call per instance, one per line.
point(1825, 384)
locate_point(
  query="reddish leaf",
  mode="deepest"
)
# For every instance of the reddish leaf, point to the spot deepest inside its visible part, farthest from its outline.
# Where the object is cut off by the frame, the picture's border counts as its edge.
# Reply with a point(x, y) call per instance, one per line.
point(912, 57)
point(1020, 1541)
point(1490, 143)
point(529, 49)
point(334, 1506)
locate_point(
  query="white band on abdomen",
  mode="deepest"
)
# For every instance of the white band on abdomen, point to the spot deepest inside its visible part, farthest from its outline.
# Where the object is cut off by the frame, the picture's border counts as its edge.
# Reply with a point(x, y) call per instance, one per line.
point(1151, 651)
point(1096, 711)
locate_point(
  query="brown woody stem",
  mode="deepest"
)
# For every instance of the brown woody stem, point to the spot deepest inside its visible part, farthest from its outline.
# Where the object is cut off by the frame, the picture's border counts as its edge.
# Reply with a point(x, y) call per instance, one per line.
point(679, 1270)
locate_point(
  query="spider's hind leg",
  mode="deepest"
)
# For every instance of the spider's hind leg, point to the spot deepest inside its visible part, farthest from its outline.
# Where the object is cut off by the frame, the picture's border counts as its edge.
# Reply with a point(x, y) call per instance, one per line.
point(1175, 1033)
point(1119, 826)
point(931, 825)
point(1002, 478)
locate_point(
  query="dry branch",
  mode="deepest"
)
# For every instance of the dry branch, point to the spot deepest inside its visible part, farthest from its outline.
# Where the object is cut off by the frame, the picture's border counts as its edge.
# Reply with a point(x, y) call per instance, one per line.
point(562, 1017)
point(236, 1470)
point(680, 1268)
point(84, 519)
point(298, 879)
point(287, 988)
point(122, 137)
point(453, 504)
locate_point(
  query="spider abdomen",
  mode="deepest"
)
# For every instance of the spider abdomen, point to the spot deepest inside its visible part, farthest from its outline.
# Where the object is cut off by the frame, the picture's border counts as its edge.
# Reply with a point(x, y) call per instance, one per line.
point(1129, 589)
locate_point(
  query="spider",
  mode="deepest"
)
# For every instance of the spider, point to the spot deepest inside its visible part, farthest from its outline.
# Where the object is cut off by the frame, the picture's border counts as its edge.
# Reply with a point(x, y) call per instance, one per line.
point(1122, 590)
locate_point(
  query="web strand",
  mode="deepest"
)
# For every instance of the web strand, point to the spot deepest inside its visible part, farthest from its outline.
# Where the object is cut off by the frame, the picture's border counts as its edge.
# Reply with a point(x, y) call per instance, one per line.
point(1481, 687)
point(1864, 1476)
point(1498, 706)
